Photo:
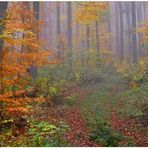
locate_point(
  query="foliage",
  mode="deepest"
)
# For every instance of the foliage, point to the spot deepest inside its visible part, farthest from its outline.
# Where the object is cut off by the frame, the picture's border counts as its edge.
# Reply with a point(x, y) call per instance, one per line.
point(52, 81)
point(104, 135)
point(44, 87)
point(134, 74)
point(90, 11)
point(14, 106)
point(132, 101)
point(45, 134)
point(70, 100)
point(107, 59)
point(40, 134)
point(88, 76)
point(144, 29)
point(22, 49)
point(58, 139)
point(98, 108)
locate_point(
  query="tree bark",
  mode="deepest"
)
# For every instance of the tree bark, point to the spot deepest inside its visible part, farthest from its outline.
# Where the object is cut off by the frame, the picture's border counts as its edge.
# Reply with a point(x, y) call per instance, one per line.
point(69, 35)
point(97, 43)
point(3, 8)
point(33, 69)
point(117, 29)
point(128, 17)
point(134, 36)
point(87, 43)
point(59, 54)
point(109, 28)
point(121, 53)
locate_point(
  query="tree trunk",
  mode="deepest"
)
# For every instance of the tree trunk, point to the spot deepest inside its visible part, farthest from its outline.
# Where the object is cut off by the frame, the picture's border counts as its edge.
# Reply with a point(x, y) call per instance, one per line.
point(121, 53)
point(117, 29)
point(87, 43)
point(109, 28)
point(134, 37)
point(69, 35)
point(97, 44)
point(3, 8)
point(128, 17)
point(59, 54)
point(33, 69)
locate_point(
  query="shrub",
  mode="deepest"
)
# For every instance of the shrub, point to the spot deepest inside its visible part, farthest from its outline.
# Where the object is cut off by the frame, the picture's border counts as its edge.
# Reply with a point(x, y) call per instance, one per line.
point(135, 75)
point(71, 100)
point(46, 134)
point(39, 134)
point(48, 88)
point(104, 135)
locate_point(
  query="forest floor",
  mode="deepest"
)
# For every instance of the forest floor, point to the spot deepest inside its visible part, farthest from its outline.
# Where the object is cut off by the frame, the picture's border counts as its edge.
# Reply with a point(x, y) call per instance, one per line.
point(101, 99)
point(95, 114)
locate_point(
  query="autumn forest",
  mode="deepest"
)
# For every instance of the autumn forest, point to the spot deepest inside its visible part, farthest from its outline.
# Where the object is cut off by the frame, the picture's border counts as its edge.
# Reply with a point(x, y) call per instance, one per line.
point(73, 74)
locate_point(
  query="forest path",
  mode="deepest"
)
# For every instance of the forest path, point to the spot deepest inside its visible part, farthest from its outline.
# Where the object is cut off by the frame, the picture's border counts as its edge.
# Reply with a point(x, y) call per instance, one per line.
point(130, 129)
point(90, 103)
point(127, 126)
point(79, 133)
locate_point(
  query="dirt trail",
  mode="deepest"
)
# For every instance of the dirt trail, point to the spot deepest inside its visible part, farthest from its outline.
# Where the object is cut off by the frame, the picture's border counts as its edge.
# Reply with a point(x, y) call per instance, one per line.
point(79, 133)
point(129, 128)
point(126, 126)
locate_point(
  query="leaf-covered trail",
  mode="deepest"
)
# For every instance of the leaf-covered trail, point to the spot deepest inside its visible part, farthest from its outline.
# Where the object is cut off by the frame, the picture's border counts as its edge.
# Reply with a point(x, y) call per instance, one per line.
point(79, 133)
point(129, 128)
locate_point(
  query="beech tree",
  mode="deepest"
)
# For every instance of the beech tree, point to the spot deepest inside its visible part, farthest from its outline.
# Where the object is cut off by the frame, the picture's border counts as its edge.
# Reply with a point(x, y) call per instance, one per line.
point(20, 50)
point(88, 13)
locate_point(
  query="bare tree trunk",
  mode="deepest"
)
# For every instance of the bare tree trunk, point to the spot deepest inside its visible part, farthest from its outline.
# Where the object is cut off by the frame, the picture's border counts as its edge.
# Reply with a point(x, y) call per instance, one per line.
point(97, 44)
point(138, 20)
point(69, 35)
point(33, 69)
point(87, 43)
point(117, 29)
point(109, 28)
point(3, 8)
point(59, 54)
point(77, 35)
point(128, 16)
point(134, 37)
point(121, 53)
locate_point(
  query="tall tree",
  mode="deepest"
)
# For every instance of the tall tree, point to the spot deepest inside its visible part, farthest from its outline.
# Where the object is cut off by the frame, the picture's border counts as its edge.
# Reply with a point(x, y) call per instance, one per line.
point(109, 26)
point(3, 8)
point(87, 42)
point(117, 29)
point(36, 9)
point(128, 17)
point(33, 69)
point(15, 63)
point(121, 53)
point(59, 54)
point(97, 43)
point(134, 37)
point(69, 34)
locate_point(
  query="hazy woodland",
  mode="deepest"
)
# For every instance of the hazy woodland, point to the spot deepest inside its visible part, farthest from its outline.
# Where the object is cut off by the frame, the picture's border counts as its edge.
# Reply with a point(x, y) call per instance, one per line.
point(73, 74)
